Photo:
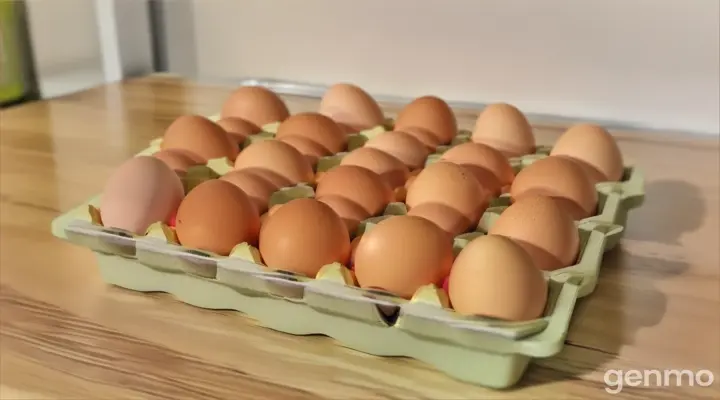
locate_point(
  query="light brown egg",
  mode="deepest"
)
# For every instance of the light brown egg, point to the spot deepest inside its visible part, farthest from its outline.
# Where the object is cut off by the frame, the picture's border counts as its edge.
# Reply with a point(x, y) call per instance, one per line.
point(316, 127)
point(489, 166)
point(361, 185)
point(349, 211)
point(238, 129)
point(200, 136)
point(255, 104)
point(402, 253)
point(594, 149)
point(351, 107)
point(388, 167)
point(543, 229)
point(431, 113)
point(302, 236)
point(427, 138)
point(141, 191)
point(451, 185)
point(404, 146)
point(277, 157)
point(313, 151)
point(178, 160)
point(446, 218)
point(504, 128)
point(254, 185)
point(561, 179)
point(216, 216)
point(494, 277)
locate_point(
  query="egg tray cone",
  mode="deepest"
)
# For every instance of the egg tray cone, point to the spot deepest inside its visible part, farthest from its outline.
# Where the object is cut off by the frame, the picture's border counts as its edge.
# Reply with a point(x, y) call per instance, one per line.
point(482, 351)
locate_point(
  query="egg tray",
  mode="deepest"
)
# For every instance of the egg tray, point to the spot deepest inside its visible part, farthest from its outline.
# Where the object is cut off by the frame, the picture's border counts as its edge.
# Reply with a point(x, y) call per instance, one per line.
point(483, 351)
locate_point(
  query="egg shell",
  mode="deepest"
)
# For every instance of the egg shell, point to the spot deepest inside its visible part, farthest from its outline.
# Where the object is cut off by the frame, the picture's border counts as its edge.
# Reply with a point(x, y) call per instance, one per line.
point(446, 218)
point(141, 191)
point(504, 128)
point(312, 150)
point(388, 167)
point(543, 229)
point(277, 157)
point(450, 185)
point(255, 104)
point(238, 129)
point(427, 138)
point(353, 248)
point(351, 213)
point(200, 136)
point(254, 185)
point(351, 107)
point(216, 216)
point(302, 236)
point(594, 149)
point(488, 165)
point(358, 184)
point(178, 160)
point(563, 180)
point(405, 147)
point(431, 113)
point(316, 127)
point(494, 277)
point(402, 253)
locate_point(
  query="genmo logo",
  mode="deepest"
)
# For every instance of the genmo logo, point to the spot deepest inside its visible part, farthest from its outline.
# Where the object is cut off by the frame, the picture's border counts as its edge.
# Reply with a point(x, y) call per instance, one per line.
point(616, 380)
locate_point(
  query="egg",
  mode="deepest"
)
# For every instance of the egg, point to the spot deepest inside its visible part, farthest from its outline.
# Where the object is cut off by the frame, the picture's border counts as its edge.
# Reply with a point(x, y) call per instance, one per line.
point(313, 151)
point(494, 277)
point(358, 184)
point(238, 129)
point(427, 138)
point(302, 236)
point(200, 136)
point(255, 104)
point(351, 107)
point(561, 179)
point(504, 128)
point(446, 218)
point(178, 160)
point(543, 229)
point(430, 113)
point(141, 191)
point(594, 149)
point(388, 167)
point(316, 127)
point(258, 188)
point(401, 254)
point(405, 147)
point(351, 213)
point(489, 166)
point(450, 185)
point(216, 216)
point(279, 158)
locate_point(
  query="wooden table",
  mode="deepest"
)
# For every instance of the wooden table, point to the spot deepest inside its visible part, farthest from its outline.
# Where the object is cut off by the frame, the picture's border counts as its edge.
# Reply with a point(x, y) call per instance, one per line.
point(66, 335)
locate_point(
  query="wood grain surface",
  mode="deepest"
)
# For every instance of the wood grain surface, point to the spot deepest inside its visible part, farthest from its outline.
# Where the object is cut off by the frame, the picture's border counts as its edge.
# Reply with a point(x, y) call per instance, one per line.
point(64, 334)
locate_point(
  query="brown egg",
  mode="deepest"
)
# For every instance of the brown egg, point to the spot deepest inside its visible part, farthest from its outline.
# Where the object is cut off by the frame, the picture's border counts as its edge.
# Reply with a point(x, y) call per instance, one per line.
point(595, 150)
point(361, 185)
point(278, 157)
point(388, 167)
point(313, 151)
point(316, 127)
point(238, 129)
point(353, 248)
point(427, 138)
point(405, 147)
point(494, 277)
point(451, 185)
point(349, 211)
point(563, 180)
point(216, 216)
point(446, 218)
point(178, 160)
point(254, 185)
point(255, 104)
point(431, 113)
point(200, 136)
point(351, 107)
point(489, 166)
point(543, 229)
point(302, 236)
point(402, 253)
point(504, 128)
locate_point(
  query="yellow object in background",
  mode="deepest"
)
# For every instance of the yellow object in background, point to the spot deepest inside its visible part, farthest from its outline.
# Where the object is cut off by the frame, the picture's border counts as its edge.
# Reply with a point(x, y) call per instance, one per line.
point(12, 81)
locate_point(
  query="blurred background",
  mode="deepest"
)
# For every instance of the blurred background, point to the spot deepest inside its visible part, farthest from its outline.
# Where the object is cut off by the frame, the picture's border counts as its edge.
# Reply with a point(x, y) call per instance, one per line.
point(646, 63)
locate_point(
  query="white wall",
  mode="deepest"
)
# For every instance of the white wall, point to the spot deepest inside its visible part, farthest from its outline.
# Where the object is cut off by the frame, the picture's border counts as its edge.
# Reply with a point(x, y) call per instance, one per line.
point(654, 63)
